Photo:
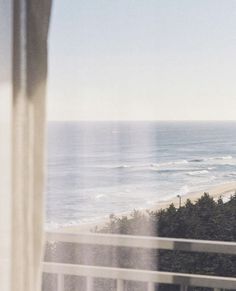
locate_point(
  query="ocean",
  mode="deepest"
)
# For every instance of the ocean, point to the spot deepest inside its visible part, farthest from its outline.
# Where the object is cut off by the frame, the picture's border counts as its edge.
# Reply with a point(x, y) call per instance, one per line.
point(100, 168)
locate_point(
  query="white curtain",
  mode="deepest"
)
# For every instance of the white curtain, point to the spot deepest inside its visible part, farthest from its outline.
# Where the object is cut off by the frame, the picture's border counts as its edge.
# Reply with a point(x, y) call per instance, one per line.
point(5, 143)
point(22, 142)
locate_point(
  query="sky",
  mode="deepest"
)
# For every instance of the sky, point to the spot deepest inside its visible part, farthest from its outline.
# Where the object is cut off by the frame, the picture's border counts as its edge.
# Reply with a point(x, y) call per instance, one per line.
point(142, 60)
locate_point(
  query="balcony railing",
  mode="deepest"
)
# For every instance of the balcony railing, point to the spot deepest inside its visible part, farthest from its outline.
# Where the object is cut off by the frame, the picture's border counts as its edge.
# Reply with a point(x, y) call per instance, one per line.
point(150, 277)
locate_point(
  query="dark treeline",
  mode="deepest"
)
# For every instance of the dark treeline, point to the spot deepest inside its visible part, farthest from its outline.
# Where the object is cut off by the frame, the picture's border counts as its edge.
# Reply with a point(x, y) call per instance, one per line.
point(206, 219)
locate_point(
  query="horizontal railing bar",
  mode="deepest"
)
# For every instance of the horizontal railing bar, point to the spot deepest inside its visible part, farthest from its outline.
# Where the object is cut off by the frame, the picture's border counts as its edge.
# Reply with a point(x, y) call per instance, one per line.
point(141, 275)
point(149, 242)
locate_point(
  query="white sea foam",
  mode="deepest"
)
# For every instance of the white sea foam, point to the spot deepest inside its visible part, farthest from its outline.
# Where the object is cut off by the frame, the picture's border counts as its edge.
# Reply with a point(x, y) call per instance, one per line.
point(151, 166)
point(220, 158)
point(184, 190)
point(172, 163)
point(197, 173)
point(99, 196)
point(124, 166)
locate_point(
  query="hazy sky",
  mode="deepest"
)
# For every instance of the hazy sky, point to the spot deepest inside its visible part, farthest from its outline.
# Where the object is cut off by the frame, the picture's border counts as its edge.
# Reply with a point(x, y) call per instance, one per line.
point(142, 59)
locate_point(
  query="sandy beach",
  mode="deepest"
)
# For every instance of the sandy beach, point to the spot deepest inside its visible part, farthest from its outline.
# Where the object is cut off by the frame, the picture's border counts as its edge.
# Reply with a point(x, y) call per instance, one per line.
point(222, 190)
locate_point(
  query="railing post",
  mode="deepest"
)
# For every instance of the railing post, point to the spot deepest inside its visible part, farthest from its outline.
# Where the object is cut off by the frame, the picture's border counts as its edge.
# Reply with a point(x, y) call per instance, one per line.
point(60, 282)
point(151, 286)
point(89, 283)
point(183, 288)
point(120, 285)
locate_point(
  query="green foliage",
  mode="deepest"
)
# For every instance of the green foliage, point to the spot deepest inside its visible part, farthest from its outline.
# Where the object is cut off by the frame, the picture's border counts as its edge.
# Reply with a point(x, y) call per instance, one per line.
point(206, 219)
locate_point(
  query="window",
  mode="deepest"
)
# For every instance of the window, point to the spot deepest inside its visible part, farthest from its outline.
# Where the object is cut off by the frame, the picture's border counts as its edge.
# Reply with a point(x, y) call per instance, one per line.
point(134, 90)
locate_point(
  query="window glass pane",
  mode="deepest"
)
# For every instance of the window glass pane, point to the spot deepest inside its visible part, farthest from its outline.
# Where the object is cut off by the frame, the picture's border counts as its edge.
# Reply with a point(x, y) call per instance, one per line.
point(141, 99)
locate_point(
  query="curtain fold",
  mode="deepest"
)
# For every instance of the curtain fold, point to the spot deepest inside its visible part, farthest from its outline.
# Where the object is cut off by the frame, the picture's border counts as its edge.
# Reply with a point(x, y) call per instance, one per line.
point(31, 22)
point(5, 143)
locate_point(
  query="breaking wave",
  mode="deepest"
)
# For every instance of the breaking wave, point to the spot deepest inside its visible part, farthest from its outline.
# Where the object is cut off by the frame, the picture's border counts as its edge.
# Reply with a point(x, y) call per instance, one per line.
point(171, 163)
point(156, 166)
point(197, 173)
point(211, 159)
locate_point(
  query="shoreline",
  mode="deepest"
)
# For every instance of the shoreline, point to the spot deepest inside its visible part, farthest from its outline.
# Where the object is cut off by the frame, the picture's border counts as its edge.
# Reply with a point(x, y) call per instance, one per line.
point(224, 190)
